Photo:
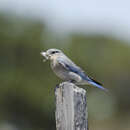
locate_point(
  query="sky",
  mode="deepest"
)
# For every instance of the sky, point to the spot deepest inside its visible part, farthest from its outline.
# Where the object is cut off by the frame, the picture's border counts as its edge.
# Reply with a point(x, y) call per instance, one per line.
point(93, 16)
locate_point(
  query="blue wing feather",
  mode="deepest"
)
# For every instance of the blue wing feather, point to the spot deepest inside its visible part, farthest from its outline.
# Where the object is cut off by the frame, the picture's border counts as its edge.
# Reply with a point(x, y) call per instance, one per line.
point(77, 71)
point(73, 68)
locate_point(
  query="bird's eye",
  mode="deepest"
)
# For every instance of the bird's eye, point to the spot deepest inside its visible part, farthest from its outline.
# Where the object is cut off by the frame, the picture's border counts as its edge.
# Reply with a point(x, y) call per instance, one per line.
point(55, 52)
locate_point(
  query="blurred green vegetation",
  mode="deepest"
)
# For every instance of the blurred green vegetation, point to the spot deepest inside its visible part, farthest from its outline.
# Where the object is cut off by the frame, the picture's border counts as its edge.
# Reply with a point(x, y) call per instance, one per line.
point(27, 99)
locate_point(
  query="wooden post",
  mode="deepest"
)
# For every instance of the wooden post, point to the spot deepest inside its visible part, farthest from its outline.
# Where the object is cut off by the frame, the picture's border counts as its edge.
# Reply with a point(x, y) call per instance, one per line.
point(71, 107)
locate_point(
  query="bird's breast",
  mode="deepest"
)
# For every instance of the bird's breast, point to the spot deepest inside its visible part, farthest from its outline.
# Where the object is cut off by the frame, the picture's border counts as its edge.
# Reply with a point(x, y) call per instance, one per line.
point(59, 70)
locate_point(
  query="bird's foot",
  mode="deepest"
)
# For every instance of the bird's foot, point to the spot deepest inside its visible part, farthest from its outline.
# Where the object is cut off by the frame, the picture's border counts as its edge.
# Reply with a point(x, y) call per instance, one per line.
point(57, 86)
point(72, 81)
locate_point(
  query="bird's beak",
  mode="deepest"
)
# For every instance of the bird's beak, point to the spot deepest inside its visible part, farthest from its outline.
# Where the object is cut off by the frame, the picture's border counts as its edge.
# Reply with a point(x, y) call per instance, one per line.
point(45, 55)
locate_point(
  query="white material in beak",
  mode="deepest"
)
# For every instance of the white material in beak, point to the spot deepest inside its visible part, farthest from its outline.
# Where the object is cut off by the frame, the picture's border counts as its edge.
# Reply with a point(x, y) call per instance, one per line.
point(45, 55)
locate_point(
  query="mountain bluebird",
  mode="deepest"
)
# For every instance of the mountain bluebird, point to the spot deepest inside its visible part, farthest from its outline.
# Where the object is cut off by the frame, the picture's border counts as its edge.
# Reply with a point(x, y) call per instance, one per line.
point(67, 70)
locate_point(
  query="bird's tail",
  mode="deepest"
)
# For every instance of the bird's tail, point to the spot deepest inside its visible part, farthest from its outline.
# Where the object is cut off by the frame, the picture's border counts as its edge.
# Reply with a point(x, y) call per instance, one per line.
point(96, 84)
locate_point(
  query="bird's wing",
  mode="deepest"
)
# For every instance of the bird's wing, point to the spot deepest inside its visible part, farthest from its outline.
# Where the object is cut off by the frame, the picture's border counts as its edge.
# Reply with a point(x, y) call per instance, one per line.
point(70, 66)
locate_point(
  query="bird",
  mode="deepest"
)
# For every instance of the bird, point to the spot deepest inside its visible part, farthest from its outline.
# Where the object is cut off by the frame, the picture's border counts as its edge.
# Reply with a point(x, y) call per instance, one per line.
point(67, 70)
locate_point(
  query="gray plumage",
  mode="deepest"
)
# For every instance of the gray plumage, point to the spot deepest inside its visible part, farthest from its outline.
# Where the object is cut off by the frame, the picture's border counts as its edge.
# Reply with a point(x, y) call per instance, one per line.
point(67, 70)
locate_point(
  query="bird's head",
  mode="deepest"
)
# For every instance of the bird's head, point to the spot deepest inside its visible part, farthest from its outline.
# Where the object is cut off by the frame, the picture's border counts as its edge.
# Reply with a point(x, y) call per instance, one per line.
point(51, 54)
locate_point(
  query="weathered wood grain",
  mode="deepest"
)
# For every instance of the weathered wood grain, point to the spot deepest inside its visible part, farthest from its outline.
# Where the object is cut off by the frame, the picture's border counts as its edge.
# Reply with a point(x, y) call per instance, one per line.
point(71, 107)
